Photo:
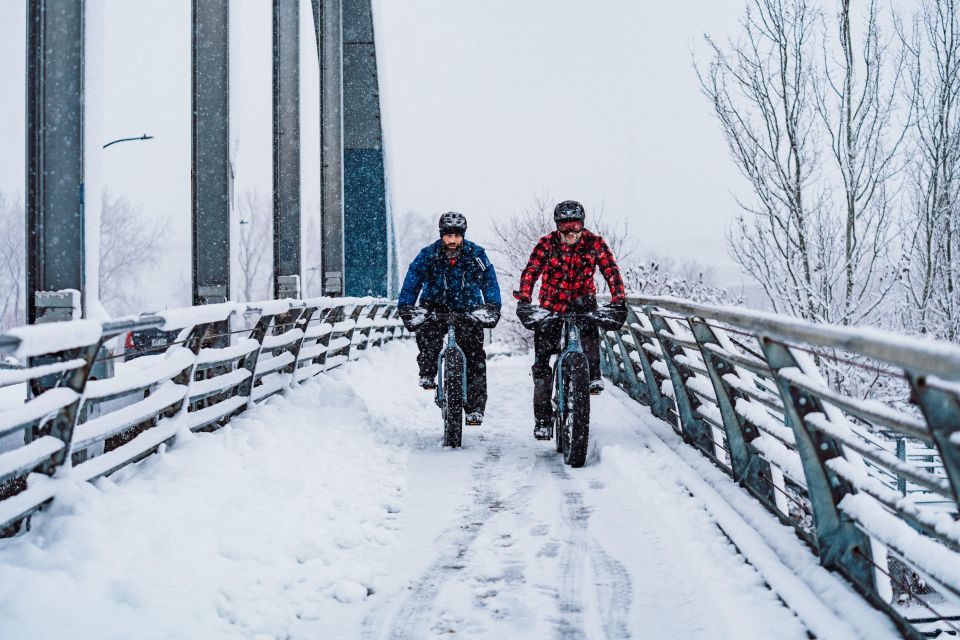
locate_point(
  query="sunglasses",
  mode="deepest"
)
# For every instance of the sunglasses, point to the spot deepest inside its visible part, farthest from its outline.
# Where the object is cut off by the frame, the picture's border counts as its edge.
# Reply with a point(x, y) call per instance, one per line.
point(570, 227)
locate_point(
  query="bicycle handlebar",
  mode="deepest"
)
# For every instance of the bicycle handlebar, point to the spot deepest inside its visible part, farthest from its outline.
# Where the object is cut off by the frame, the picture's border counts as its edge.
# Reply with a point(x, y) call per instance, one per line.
point(573, 314)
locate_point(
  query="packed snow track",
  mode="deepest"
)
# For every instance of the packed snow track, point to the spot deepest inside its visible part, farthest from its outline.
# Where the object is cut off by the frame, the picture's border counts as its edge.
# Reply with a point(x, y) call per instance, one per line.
point(332, 512)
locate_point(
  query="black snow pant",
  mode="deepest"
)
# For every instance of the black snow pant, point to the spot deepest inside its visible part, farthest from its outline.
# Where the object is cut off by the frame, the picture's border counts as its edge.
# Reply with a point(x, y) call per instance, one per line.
point(432, 337)
point(547, 342)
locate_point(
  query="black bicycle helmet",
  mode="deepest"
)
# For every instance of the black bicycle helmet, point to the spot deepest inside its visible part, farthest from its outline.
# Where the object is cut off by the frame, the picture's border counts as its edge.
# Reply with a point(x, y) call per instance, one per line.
point(568, 210)
point(453, 221)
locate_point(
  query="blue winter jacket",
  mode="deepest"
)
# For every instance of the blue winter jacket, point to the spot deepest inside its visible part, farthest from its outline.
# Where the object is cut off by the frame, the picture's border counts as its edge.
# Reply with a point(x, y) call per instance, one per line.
point(463, 286)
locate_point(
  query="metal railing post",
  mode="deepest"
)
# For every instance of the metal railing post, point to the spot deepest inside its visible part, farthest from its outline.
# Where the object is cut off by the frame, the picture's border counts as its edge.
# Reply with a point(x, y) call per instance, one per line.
point(194, 343)
point(332, 317)
point(902, 455)
point(695, 430)
point(65, 421)
point(302, 323)
point(250, 360)
point(941, 409)
point(616, 368)
point(749, 467)
point(842, 546)
point(660, 405)
point(387, 314)
point(355, 316)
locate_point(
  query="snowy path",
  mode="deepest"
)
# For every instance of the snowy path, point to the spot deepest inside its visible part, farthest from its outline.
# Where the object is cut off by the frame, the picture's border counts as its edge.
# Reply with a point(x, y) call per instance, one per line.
point(332, 513)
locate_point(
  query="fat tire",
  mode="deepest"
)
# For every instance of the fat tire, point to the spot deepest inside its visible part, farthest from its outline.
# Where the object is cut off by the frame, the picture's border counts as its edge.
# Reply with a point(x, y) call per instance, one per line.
point(453, 400)
point(557, 420)
point(576, 414)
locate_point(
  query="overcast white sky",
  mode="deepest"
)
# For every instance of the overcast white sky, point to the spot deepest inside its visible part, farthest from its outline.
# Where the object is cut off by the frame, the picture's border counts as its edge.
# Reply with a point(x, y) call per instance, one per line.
point(489, 102)
point(486, 103)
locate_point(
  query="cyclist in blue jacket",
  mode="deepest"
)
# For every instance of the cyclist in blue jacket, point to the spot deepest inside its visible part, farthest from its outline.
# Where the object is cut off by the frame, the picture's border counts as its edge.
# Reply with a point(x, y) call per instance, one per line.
point(452, 274)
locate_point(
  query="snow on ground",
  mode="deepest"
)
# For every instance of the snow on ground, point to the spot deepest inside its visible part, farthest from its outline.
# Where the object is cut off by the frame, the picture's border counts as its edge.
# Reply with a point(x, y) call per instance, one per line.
point(333, 512)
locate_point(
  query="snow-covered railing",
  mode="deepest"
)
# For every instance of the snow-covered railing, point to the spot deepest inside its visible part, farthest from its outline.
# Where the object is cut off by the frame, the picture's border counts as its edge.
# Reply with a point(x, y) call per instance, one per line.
point(84, 428)
point(872, 486)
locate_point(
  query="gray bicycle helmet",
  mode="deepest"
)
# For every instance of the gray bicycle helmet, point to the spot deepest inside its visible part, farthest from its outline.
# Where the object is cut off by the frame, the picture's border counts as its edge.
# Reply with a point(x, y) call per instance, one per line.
point(453, 221)
point(569, 210)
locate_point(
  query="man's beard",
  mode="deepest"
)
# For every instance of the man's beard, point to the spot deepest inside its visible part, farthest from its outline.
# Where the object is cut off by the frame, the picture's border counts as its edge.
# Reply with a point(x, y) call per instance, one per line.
point(452, 246)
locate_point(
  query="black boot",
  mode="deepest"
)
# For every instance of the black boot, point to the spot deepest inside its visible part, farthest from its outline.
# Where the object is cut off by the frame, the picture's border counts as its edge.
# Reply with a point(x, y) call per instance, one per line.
point(542, 408)
point(542, 401)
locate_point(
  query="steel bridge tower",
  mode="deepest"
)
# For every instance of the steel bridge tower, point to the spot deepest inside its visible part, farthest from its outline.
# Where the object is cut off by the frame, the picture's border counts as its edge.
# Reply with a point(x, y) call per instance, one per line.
point(358, 256)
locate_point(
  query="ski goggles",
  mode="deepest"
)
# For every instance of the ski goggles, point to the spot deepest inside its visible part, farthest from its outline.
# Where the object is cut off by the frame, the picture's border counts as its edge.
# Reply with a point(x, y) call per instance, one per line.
point(571, 226)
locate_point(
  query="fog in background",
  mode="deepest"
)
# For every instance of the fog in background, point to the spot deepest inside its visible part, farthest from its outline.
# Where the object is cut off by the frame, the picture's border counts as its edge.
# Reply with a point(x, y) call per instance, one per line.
point(487, 104)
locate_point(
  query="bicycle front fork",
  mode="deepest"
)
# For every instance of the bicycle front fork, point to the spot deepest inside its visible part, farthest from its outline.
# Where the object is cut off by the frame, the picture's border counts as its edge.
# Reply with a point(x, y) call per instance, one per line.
point(572, 346)
point(441, 360)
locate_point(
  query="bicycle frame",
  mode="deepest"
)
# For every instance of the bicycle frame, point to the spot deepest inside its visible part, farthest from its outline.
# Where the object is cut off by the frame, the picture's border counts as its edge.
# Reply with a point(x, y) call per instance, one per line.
point(572, 334)
point(451, 346)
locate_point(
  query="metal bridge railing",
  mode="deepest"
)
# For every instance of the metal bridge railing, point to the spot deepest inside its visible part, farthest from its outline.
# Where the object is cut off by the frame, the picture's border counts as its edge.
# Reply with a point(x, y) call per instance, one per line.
point(72, 424)
point(871, 486)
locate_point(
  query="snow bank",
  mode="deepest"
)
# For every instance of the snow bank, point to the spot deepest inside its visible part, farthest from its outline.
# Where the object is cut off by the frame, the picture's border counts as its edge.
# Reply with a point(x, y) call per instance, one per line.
point(828, 605)
point(261, 529)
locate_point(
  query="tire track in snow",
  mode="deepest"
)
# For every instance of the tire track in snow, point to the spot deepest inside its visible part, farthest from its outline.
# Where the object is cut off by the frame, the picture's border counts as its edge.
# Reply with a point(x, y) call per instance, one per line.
point(410, 618)
point(612, 587)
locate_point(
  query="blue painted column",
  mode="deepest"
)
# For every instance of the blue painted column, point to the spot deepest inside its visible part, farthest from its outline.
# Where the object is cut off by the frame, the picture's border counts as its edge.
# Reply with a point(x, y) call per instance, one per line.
point(367, 228)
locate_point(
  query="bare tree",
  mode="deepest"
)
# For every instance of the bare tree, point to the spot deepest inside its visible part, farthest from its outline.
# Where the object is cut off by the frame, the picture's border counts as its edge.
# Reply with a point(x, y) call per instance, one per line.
point(762, 88)
point(819, 252)
point(514, 239)
point(516, 235)
point(129, 244)
point(256, 215)
point(857, 104)
point(414, 231)
point(930, 280)
point(689, 280)
point(12, 263)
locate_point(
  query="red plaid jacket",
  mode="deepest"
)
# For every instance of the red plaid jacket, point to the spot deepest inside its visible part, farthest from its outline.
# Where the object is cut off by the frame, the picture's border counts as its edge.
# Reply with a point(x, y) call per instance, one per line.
point(568, 271)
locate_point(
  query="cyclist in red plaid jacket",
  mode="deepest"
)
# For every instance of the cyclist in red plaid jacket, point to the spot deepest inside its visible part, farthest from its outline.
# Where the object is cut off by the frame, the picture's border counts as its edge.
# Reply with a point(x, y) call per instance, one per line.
point(566, 260)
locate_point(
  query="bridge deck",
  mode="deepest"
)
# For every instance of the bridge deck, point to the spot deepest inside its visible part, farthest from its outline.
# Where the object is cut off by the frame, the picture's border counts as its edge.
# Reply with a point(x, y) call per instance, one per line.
point(332, 512)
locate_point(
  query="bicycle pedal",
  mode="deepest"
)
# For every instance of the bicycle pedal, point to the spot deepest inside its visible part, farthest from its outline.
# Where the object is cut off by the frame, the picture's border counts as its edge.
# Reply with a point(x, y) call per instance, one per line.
point(474, 423)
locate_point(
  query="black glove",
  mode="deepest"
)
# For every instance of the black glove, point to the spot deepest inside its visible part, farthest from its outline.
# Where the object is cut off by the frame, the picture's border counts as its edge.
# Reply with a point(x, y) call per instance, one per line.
point(487, 316)
point(531, 316)
point(412, 317)
point(612, 315)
